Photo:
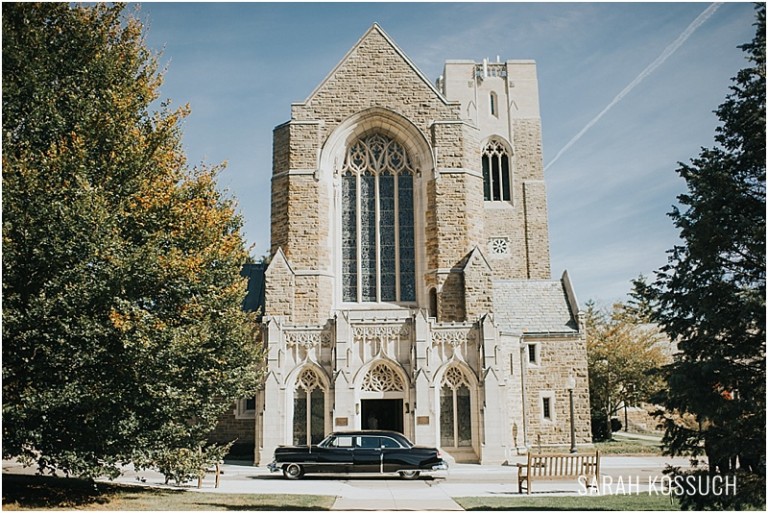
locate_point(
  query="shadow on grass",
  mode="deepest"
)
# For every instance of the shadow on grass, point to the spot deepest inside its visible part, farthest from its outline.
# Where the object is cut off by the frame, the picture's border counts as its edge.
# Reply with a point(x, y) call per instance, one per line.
point(26, 492)
point(44, 492)
point(259, 507)
point(640, 502)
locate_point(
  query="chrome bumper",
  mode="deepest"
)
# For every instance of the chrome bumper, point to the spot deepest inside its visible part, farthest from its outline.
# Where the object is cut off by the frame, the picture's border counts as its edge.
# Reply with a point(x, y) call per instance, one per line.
point(440, 466)
point(273, 467)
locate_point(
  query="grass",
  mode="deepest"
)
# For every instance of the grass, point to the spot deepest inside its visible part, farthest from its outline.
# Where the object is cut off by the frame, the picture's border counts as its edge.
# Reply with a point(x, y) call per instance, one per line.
point(23, 492)
point(629, 447)
point(616, 447)
point(641, 502)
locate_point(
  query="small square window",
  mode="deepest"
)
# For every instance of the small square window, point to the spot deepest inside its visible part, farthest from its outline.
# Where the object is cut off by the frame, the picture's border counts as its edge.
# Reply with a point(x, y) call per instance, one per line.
point(246, 408)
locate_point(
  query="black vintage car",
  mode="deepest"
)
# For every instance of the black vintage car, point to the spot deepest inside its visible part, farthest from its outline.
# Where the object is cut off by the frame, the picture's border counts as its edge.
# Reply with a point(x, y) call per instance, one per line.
point(359, 451)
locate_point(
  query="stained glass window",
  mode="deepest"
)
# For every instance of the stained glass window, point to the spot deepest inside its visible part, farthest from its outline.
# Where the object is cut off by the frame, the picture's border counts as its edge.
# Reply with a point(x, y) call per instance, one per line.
point(496, 176)
point(308, 409)
point(377, 222)
point(455, 412)
point(349, 235)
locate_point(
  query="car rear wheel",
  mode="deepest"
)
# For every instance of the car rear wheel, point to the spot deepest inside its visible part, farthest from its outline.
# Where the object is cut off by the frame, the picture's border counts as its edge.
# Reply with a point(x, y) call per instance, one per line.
point(409, 474)
point(293, 471)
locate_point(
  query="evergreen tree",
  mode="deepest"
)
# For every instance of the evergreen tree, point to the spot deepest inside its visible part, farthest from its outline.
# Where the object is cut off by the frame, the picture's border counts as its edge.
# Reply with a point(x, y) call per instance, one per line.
point(123, 333)
point(710, 298)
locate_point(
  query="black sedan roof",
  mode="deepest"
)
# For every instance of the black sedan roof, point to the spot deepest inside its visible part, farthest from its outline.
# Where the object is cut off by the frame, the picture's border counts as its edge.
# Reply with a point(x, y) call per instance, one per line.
point(374, 432)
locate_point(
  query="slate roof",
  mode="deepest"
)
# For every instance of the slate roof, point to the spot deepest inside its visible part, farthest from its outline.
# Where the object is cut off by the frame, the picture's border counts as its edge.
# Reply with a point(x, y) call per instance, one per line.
point(533, 306)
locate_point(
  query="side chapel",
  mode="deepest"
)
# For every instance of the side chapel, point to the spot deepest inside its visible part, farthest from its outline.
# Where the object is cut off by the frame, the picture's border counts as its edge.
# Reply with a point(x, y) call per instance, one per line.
point(409, 285)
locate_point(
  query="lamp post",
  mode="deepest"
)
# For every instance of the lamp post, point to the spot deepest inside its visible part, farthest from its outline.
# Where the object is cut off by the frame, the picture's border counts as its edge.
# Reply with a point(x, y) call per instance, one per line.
point(570, 384)
point(609, 430)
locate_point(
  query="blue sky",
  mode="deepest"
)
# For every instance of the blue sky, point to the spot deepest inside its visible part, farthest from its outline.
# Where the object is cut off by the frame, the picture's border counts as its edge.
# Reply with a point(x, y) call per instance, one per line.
point(241, 65)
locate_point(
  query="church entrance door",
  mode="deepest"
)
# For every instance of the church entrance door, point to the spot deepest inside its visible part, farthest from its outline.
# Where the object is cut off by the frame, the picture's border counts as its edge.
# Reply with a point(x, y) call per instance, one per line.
point(382, 414)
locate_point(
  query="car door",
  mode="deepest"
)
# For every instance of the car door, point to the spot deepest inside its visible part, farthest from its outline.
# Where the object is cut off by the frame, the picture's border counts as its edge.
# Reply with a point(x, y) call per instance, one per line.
point(367, 454)
point(394, 455)
point(337, 455)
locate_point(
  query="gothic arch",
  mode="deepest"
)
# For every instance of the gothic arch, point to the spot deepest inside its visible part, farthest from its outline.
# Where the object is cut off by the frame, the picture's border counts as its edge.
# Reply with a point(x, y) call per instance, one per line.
point(292, 379)
point(457, 401)
point(395, 367)
point(497, 168)
point(376, 119)
point(308, 404)
point(437, 378)
point(498, 138)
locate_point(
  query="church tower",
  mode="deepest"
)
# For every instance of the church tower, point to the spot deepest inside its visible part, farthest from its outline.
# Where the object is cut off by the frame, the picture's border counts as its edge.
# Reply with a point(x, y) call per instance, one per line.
point(501, 99)
point(409, 284)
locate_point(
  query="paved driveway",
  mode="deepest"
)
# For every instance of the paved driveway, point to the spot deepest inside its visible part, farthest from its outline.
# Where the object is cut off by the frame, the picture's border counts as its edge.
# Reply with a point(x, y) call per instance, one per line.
point(392, 493)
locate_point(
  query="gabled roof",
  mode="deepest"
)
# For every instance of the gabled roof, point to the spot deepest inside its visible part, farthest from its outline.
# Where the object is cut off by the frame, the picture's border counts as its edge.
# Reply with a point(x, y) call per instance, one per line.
point(534, 306)
point(376, 29)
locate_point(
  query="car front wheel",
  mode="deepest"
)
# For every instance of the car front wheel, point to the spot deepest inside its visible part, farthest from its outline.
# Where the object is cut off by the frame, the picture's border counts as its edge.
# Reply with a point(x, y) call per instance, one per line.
point(293, 471)
point(409, 474)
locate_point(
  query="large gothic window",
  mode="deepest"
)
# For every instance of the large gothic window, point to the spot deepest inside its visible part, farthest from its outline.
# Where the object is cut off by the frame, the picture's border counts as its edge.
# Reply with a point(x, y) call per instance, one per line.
point(455, 411)
point(496, 178)
point(308, 409)
point(377, 222)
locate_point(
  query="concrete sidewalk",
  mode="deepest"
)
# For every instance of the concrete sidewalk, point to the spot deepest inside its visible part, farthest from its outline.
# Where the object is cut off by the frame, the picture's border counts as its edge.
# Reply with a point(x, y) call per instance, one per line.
point(371, 492)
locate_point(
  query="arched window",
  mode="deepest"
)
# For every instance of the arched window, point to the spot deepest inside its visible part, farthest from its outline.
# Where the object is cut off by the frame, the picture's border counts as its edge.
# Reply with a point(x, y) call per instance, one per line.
point(494, 103)
point(308, 409)
point(377, 222)
point(496, 176)
point(455, 411)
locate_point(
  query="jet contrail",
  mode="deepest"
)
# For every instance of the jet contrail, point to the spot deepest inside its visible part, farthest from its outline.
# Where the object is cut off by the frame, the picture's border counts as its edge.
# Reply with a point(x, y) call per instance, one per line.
point(666, 54)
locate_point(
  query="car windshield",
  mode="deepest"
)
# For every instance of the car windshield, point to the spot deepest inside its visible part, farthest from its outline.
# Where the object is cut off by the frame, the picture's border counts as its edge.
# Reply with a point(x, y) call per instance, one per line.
point(327, 441)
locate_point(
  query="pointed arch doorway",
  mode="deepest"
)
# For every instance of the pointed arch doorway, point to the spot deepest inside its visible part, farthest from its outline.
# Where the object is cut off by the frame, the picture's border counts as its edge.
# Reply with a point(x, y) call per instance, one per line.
point(382, 398)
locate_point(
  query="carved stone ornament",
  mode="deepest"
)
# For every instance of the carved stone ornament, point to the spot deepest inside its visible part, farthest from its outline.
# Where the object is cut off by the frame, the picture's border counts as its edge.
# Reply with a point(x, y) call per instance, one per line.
point(452, 337)
point(454, 378)
point(381, 332)
point(382, 378)
point(307, 339)
point(308, 380)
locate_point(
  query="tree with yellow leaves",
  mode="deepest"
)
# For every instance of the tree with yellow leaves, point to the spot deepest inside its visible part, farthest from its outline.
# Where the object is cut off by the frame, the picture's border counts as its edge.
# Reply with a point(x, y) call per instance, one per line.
point(123, 333)
point(625, 353)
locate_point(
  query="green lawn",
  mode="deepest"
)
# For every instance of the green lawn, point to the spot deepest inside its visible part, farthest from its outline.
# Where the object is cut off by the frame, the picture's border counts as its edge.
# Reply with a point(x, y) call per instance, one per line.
point(641, 502)
point(629, 447)
point(618, 446)
point(38, 492)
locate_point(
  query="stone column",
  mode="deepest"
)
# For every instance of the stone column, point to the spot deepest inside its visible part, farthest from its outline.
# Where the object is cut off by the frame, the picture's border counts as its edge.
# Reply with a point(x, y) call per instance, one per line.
point(424, 420)
point(494, 449)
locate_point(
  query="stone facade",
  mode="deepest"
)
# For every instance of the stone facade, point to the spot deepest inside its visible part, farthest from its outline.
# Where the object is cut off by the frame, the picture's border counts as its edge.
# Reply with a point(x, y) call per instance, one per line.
point(409, 286)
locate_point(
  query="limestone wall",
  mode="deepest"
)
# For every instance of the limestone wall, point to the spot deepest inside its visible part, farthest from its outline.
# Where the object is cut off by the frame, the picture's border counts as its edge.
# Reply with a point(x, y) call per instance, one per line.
point(558, 358)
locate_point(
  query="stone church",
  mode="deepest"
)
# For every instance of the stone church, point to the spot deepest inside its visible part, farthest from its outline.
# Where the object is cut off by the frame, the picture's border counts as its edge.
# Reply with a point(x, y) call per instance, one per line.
point(409, 285)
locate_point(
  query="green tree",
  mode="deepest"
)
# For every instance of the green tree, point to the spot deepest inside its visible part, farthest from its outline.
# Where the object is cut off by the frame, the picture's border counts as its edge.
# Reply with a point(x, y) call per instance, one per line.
point(710, 298)
point(623, 353)
point(123, 334)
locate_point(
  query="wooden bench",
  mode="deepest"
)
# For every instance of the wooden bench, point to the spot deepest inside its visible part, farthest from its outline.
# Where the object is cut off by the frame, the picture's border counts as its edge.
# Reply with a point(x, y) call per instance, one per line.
point(542, 467)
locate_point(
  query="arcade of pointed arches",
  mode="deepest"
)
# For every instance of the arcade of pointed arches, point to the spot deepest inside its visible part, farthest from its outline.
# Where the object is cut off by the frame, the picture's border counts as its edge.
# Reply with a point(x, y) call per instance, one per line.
point(382, 380)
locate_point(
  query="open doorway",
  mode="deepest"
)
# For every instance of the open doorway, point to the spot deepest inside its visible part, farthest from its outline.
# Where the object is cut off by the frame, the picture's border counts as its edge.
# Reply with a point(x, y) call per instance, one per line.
point(382, 414)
